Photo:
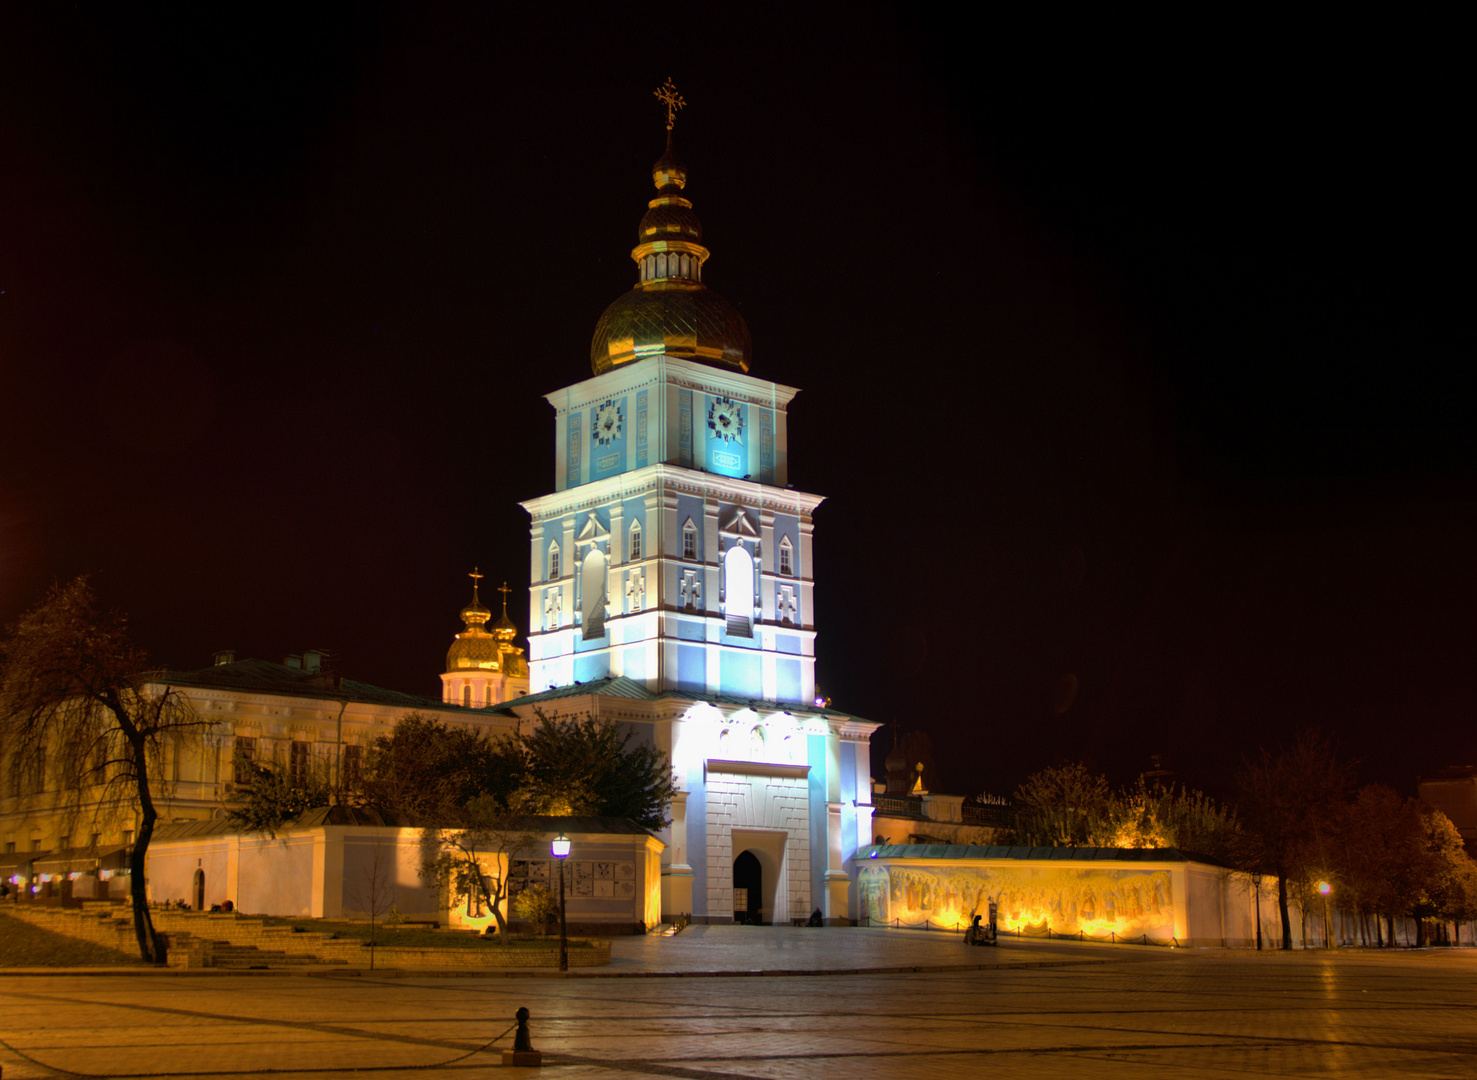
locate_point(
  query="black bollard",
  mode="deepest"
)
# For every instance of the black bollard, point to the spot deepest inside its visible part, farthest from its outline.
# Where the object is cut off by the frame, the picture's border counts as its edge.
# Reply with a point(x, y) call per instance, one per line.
point(523, 1055)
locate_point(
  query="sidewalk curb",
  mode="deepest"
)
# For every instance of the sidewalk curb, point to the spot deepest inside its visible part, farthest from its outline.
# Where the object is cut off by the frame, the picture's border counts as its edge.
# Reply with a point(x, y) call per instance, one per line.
point(331, 972)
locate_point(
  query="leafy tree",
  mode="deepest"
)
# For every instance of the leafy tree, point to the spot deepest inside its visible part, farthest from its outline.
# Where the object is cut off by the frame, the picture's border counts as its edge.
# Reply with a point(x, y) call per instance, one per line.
point(1439, 893)
point(428, 772)
point(453, 857)
point(77, 707)
point(1288, 810)
point(1070, 806)
point(537, 904)
point(1380, 853)
point(1153, 815)
point(590, 766)
point(274, 799)
point(1062, 806)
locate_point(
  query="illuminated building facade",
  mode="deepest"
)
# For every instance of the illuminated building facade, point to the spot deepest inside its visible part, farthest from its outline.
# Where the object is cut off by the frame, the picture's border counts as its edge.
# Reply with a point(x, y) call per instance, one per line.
point(671, 583)
point(298, 716)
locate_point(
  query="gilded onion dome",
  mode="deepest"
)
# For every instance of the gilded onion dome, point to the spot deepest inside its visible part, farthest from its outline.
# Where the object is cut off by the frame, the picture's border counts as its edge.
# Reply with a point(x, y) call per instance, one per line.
point(670, 311)
point(505, 629)
point(474, 648)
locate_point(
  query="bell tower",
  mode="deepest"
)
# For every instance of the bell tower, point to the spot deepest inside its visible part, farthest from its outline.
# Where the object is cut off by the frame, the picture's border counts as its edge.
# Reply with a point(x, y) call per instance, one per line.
point(672, 551)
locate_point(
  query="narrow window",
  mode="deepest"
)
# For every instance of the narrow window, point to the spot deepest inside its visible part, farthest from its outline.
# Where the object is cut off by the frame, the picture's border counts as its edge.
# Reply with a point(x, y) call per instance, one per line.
point(787, 562)
point(635, 541)
point(738, 591)
point(297, 764)
point(353, 764)
point(242, 757)
point(467, 695)
point(554, 562)
point(689, 540)
point(593, 593)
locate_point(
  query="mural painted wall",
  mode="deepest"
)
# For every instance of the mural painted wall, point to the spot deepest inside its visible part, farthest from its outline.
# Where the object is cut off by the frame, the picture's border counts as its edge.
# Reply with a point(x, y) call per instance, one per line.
point(1032, 899)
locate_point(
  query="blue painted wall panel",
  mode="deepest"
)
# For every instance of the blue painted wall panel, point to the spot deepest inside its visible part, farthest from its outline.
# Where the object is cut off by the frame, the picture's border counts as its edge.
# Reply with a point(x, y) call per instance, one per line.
point(692, 668)
point(740, 674)
point(591, 666)
point(787, 679)
point(697, 839)
point(816, 788)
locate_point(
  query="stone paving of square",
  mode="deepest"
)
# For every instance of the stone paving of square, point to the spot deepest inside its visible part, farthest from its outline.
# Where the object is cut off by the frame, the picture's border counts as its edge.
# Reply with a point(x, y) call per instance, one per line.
point(1026, 1009)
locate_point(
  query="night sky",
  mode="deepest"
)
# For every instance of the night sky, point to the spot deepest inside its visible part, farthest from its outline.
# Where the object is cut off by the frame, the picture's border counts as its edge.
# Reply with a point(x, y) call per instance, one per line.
point(1125, 349)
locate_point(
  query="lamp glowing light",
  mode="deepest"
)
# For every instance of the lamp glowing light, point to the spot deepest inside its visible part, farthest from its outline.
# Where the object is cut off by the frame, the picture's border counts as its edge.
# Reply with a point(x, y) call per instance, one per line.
point(560, 847)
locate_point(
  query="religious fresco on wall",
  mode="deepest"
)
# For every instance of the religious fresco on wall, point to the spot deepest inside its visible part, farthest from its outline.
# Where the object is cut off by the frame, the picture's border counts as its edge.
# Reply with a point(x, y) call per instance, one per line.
point(1031, 899)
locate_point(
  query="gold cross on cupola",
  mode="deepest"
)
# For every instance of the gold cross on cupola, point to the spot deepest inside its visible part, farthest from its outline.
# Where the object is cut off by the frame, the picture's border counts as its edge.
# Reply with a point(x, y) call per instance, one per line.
point(667, 94)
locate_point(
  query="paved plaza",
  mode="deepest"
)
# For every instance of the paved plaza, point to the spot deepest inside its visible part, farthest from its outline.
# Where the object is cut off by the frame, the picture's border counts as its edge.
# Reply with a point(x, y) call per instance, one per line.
point(1026, 1009)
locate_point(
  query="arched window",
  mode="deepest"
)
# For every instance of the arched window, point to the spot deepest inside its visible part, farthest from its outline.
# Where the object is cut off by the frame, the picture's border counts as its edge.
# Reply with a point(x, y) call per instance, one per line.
point(787, 558)
point(738, 591)
point(635, 546)
point(467, 695)
point(592, 586)
point(756, 743)
point(689, 540)
point(554, 561)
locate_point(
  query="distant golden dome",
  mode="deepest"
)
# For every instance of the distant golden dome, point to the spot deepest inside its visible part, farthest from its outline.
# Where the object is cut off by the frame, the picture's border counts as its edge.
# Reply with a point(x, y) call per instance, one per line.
point(505, 629)
point(475, 649)
point(670, 311)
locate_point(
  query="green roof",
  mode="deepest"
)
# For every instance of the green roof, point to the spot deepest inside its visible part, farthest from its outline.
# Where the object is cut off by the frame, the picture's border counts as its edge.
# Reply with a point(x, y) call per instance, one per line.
point(265, 677)
point(981, 851)
point(619, 686)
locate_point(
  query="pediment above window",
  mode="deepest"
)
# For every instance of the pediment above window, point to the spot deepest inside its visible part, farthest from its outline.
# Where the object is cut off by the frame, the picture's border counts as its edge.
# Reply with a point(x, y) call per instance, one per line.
point(592, 532)
point(738, 522)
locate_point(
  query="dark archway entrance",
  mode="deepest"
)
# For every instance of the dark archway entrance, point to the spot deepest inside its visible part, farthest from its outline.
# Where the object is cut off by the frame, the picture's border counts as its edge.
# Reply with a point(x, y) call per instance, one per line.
point(199, 890)
point(748, 889)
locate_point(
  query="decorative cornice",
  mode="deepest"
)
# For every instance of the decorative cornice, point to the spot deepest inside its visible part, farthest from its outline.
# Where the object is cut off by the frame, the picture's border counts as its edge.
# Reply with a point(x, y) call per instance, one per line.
point(665, 477)
point(756, 768)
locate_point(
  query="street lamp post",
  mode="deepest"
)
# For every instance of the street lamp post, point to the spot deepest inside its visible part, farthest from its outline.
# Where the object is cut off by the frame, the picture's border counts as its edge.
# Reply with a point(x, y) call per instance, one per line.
point(1256, 884)
point(1325, 888)
point(561, 852)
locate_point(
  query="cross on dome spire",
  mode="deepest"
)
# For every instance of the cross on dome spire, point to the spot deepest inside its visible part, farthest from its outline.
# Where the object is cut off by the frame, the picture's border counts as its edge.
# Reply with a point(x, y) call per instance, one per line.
point(668, 96)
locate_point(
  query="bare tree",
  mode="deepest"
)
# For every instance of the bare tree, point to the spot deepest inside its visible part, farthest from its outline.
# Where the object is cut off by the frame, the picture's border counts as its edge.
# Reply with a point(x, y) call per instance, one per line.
point(374, 893)
point(78, 707)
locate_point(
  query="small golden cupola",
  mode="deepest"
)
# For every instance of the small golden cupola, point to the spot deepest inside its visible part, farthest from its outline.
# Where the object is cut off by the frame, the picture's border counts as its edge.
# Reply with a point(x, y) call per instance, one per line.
point(484, 667)
point(670, 311)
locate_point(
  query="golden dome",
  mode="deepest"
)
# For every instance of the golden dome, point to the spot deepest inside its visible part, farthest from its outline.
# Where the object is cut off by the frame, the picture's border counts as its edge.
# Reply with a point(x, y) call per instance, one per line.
point(505, 629)
point(670, 311)
point(475, 647)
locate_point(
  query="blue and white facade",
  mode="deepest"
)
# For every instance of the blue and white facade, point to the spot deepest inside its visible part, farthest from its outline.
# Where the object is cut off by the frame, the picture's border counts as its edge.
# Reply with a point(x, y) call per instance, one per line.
point(672, 591)
point(672, 552)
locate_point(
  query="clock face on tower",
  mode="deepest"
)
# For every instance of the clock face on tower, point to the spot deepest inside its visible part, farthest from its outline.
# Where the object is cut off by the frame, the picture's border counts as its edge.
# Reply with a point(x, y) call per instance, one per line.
point(726, 420)
point(607, 427)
